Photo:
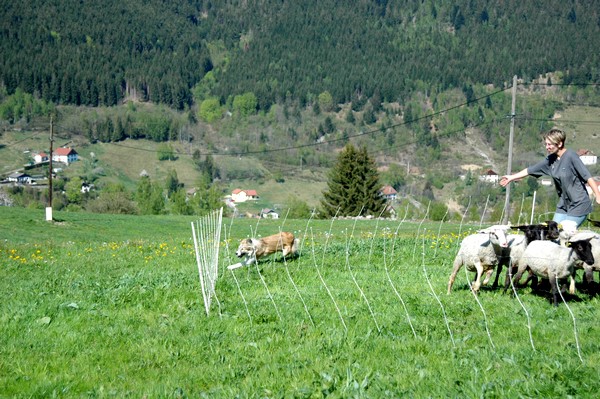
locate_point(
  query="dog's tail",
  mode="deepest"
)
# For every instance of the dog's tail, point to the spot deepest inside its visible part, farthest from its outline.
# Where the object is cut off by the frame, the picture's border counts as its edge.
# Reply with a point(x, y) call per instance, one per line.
point(295, 245)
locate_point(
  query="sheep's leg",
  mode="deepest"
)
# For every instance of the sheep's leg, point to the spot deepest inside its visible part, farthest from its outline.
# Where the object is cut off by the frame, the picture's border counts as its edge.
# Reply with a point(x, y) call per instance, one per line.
point(589, 275)
point(488, 275)
point(571, 285)
point(533, 278)
point(530, 277)
point(555, 288)
point(510, 270)
point(519, 274)
point(477, 283)
point(498, 271)
point(457, 265)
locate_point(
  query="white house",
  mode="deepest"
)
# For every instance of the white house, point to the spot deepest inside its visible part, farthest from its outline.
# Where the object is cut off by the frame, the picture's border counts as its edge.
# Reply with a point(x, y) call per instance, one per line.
point(269, 214)
point(389, 193)
point(21, 178)
point(587, 157)
point(239, 195)
point(40, 157)
point(65, 155)
point(490, 177)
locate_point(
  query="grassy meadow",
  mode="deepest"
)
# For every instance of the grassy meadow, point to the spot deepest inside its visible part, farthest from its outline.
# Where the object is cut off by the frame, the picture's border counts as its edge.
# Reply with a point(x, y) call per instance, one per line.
point(111, 306)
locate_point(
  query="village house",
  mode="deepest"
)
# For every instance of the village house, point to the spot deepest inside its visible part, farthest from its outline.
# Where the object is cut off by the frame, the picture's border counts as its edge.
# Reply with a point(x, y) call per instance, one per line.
point(239, 195)
point(587, 157)
point(20, 178)
point(490, 177)
point(64, 155)
point(389, 193)
point(40, 157)
point(269, 214)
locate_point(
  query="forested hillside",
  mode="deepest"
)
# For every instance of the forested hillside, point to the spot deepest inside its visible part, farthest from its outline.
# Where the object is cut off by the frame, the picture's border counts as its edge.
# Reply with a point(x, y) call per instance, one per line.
point(98, 53)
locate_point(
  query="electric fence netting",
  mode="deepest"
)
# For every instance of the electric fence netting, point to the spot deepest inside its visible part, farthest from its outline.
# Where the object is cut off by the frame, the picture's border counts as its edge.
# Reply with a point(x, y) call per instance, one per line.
point(207, 237)
point(373, 268)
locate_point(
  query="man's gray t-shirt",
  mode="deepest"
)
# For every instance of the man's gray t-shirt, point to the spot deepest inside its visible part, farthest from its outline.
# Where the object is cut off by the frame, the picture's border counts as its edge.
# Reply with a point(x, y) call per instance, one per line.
point(570, 176)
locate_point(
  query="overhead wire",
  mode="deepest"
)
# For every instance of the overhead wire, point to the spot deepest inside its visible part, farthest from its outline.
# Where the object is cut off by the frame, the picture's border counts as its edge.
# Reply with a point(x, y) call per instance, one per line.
point(579, 122)
point(326, 142)
point(444, 134)
point(376, 131)
point(23, 140)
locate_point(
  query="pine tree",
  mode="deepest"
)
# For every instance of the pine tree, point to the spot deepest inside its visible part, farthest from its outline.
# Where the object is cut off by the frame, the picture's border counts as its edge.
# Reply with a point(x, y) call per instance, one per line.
point(172, 183)
point(149, 197)
point(353, 186)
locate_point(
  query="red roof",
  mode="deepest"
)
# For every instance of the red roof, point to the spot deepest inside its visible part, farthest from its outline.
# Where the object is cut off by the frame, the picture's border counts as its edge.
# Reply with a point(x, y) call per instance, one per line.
point(64, 151)
point(388, 190)
point(249, 193)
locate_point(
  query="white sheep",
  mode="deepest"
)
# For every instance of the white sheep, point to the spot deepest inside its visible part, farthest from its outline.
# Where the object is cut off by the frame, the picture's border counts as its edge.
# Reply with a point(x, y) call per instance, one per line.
point(479, 253)
point(517, 243)
point(554, 261)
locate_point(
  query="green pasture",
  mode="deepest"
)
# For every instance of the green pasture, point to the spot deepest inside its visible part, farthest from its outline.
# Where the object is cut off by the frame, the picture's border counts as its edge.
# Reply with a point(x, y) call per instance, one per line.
point(111, 306)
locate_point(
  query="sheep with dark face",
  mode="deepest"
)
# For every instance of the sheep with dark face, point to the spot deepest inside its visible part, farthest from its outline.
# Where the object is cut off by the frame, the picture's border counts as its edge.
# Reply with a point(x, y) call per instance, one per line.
point(517, 244)
point(479, 253)
point(590, 269)
point(567, 230)
point(554, 261)
point(588, 276)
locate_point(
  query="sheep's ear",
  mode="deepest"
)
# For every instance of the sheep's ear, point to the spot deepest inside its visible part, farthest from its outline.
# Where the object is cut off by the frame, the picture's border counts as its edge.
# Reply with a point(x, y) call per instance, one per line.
point(568, 244)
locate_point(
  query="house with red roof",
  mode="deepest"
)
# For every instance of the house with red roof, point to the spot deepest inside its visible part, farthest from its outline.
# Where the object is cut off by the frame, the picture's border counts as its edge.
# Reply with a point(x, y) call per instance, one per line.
point(239, 195)
point(64, 155)
point(40, 157)
point(389, 193)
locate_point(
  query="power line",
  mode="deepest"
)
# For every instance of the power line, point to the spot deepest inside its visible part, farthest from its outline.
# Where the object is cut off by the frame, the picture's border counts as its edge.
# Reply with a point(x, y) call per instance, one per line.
point(326, 142)
point(25, 139)
point(370, 132)
point(559, 84)
point(445, 134)
point(579, 122)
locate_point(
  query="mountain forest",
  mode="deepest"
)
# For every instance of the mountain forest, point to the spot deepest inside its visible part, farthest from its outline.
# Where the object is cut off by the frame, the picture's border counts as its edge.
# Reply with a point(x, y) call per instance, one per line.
point(285, 85)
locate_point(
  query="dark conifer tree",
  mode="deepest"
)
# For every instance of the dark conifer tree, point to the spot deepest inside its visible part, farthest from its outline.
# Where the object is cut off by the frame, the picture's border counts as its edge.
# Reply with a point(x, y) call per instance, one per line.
point(353, 186)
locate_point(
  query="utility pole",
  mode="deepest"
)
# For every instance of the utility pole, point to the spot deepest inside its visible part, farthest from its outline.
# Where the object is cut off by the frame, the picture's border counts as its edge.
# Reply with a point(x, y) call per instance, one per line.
point(510, 149)
point(49, 207)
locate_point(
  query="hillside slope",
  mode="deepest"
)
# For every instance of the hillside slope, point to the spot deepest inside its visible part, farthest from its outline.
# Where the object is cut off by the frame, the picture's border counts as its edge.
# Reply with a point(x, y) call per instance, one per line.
point(277, 181)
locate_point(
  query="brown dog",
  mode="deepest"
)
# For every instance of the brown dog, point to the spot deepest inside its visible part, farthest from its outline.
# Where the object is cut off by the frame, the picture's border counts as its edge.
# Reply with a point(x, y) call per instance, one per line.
point(252, 249)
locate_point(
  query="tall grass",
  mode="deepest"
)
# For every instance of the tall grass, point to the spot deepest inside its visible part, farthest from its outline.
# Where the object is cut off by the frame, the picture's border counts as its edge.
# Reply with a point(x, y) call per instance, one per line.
point(110, 306)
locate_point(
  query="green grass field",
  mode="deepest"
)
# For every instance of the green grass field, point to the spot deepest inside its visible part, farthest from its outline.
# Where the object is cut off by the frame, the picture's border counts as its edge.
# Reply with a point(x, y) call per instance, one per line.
point(111, 306)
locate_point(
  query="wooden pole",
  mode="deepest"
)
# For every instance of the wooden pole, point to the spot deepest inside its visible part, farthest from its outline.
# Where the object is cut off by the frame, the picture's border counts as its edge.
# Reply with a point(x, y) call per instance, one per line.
point(510, 149)
point(49, 207)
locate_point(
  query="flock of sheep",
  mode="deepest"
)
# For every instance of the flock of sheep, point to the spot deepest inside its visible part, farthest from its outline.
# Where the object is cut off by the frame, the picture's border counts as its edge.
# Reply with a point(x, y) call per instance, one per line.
point(550, 251)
